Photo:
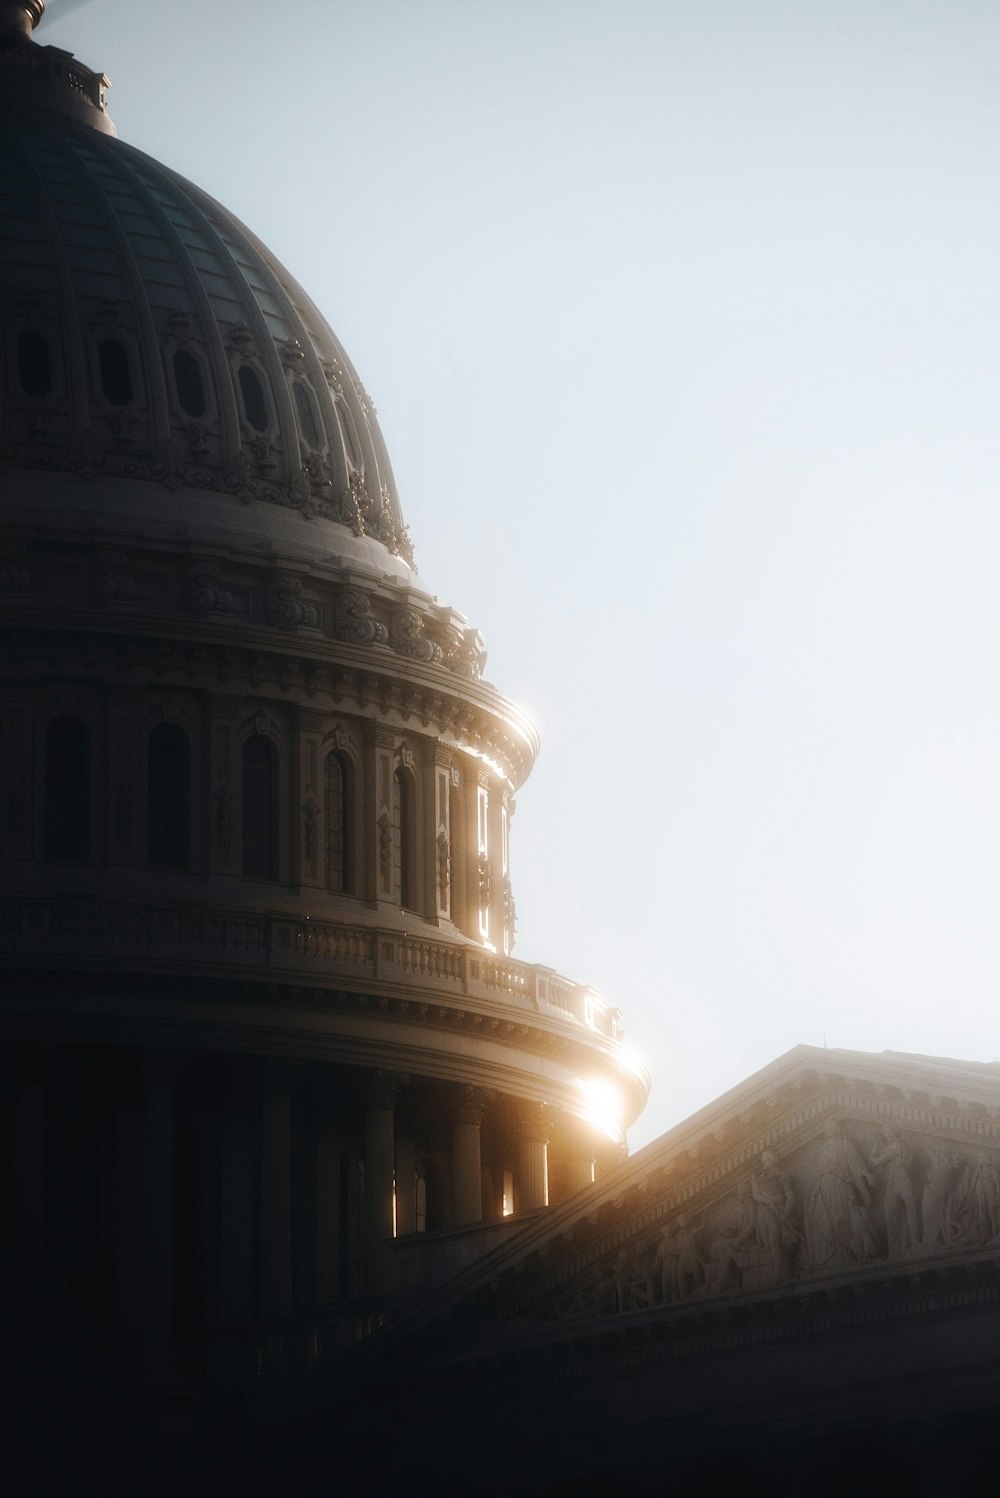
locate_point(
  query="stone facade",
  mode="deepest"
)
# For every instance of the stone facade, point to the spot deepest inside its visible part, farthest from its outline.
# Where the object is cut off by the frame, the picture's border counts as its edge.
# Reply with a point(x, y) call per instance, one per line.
point(314, 1186)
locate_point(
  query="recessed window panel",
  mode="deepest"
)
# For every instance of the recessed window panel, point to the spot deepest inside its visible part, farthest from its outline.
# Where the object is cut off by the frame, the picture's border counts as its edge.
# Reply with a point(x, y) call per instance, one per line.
point(116, 377)
point(252, 392)
point(187, 378)
point(307, 414)
point(34, 365)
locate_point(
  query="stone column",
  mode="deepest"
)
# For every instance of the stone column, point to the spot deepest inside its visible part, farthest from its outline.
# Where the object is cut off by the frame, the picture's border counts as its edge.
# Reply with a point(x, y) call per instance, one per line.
point(381, 1094)
point(466, 1158)
point(236, 1210)
point(328, 1151)
point(158, 1214)
point(26, 1289)
point(532, 1184)
point(276, 1192)
point(579, 1172)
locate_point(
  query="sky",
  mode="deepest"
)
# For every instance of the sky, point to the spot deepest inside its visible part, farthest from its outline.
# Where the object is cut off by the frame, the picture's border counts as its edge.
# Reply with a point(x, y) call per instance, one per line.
point(682, 318)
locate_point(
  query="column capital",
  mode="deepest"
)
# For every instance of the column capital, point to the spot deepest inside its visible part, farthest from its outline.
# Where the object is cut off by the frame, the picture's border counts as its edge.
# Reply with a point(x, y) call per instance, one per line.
point(533, 1123)
point(158, 1067)
point(468, 1103)
point(382, 1089)
point(278, 1076)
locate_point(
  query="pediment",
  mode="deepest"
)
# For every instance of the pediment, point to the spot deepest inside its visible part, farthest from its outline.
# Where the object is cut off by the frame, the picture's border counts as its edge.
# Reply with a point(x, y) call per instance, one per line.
point(826, 1170)
point(828, 1174)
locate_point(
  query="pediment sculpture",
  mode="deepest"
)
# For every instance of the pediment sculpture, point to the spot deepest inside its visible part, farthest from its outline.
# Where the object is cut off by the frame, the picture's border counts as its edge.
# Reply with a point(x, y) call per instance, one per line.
point(853, 1196)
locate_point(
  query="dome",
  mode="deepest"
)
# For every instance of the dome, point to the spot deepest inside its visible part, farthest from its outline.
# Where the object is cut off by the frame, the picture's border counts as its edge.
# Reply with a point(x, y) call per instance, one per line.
point(154, 338)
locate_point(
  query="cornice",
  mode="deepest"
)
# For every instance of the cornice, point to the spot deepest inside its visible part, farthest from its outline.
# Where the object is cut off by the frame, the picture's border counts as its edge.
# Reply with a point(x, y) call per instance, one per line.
point(144, 1010)
point(317, 674)
point(693, 1175)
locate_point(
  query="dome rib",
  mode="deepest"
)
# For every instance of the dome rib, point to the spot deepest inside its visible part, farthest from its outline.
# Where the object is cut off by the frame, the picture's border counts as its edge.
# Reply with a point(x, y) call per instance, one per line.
point(215, 346)
point(71, 328)
point(327, 411)
point(264, 345)
point(119, 242)
point(158, 400)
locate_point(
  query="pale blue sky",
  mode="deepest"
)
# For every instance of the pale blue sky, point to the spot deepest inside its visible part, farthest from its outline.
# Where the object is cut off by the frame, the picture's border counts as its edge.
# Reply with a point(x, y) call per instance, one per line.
point(682, 320)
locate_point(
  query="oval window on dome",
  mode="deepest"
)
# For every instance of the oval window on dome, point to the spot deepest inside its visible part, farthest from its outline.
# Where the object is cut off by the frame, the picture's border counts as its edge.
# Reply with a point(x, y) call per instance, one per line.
point(307, 414)
point(190, 388)
point(252, 393)
point(34, 364)
point(116, 376)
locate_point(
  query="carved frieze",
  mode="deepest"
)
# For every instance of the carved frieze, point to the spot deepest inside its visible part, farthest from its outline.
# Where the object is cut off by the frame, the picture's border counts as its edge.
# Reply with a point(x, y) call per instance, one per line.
point(353, 620)
point(852, 1198)
point(406, 636)
point(286, 607)
point(209, 596)
point(443, 866)
point(15, 575)
point(113, 582)
point(385, 849)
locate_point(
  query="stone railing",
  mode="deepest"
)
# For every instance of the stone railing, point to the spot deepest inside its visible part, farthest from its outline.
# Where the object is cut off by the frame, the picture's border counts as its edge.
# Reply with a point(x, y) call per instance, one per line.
point(50, 66)
point(311, 950)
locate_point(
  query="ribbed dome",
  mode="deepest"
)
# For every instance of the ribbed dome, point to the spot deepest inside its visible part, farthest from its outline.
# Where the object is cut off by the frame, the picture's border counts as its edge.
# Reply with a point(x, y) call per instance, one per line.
point(151, 336)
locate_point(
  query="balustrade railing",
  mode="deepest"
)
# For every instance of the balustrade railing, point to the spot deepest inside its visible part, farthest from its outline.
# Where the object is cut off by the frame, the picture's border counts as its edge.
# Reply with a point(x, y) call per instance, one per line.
point(40, 925)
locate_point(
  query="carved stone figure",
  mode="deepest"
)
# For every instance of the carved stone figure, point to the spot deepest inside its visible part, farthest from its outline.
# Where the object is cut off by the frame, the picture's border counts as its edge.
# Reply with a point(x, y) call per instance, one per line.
point(443, 865)
point(724, 1269)
point(666, 1258)
point(353, 620)
point(977, 1202)
point(406, 636)
point(310, 827)
point(385, 848)
point(839, 1229)
point(209, 596)
point(900, 1197)
point(775, 1232)
point(14, 574)
point(623, 1281)
point(937, 1205)
point(682, 1268)
point(286, 608)
point(114, 585)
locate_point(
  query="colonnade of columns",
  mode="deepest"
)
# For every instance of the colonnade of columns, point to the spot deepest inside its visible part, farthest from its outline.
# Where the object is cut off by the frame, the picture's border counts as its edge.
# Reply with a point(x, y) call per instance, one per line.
point(257, 1173)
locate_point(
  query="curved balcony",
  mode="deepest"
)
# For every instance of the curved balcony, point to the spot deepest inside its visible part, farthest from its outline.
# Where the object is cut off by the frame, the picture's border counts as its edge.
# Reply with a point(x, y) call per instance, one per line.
point(330, 989)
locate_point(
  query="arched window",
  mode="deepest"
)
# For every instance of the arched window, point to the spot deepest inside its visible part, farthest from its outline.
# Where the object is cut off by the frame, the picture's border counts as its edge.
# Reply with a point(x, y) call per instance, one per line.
point(254, 405)
point(259, 809)
point(116, 376)
point(187, 378)
point(404, 841)
point(167, 784)
point(340, 824)
point(34, 366)
point(307, 414)
point(348, 433)
point(67, 791)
